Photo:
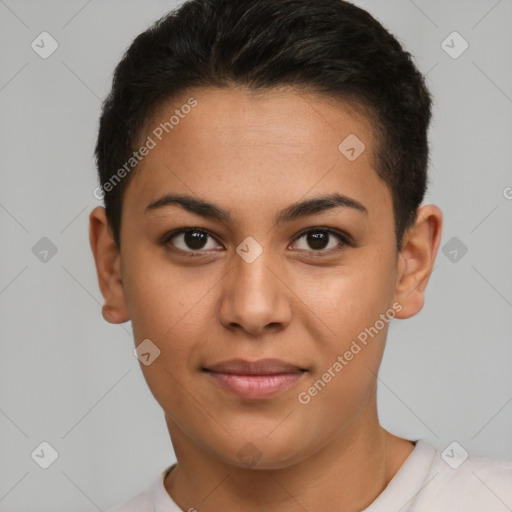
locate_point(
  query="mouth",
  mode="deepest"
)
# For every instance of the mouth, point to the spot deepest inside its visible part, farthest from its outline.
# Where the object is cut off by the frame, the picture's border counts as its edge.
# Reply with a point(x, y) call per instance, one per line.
point(255, 380)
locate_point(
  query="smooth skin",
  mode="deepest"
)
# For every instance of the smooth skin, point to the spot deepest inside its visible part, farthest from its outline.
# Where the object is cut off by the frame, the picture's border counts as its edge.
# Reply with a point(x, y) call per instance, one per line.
point(254, 155)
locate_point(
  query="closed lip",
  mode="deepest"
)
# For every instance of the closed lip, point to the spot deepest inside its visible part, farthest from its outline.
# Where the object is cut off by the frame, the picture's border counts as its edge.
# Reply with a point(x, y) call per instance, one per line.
point(260, 367)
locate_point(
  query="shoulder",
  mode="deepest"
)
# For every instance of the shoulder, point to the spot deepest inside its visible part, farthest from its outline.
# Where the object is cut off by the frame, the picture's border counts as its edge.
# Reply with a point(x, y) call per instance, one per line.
point(154, 496)
point(468, 483)
point(143, 501)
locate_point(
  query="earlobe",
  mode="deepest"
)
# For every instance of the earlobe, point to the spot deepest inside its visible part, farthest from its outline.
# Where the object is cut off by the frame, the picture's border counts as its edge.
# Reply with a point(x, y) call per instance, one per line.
point(416, 260)
point(108, 268)
point(109, 314)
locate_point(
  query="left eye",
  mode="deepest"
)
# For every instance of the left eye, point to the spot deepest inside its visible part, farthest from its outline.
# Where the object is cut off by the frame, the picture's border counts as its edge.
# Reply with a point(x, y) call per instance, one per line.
point(320, 240)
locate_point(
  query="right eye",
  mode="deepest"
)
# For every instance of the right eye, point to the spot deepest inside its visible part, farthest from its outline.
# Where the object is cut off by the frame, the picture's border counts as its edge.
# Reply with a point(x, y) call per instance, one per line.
point(190, 240)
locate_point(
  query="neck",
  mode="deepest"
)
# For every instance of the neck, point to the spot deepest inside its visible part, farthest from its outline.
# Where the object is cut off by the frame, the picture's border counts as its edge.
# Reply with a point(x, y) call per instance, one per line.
point(348, 473)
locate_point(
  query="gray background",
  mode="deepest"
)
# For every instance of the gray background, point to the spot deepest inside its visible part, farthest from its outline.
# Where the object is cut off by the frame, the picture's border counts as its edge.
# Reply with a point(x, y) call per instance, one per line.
point(69, 378)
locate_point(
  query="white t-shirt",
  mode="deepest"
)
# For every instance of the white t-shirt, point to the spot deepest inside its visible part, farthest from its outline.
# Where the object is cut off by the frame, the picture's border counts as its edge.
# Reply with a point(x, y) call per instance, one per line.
point(426, 482)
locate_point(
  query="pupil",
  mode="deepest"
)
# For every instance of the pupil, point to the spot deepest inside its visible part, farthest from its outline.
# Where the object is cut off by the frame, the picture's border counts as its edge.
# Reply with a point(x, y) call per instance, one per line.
point(195, 239)
point(318, 240)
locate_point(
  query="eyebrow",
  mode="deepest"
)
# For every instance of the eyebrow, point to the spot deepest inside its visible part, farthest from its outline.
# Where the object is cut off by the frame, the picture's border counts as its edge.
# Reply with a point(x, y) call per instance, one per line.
point(301, 209)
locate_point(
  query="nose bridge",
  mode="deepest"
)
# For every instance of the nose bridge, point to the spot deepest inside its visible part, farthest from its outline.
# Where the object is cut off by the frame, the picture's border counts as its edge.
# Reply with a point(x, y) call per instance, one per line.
point(253, 296)
point(254, 277)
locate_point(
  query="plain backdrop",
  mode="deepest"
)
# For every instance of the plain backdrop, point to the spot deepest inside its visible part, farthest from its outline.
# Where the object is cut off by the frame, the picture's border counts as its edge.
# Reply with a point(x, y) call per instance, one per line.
point(70, 379)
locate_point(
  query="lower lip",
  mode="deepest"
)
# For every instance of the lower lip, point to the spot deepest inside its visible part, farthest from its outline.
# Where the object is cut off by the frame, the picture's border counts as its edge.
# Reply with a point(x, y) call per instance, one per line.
point(256, 387)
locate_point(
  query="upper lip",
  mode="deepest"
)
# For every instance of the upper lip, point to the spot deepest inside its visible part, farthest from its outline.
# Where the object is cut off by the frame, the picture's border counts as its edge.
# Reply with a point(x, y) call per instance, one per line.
point(261, 367)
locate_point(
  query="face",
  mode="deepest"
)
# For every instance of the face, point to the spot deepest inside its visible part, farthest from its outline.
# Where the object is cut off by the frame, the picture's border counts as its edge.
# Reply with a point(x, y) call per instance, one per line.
point(240, 270)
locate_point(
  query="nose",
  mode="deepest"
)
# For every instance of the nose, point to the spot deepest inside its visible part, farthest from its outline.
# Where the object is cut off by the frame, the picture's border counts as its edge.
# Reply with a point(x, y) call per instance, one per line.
point(255, 298)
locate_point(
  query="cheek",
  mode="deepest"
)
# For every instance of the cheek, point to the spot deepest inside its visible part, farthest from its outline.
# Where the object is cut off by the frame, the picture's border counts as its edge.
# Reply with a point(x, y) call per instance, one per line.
point(170, 306)
point(346, 298)
point(153, 296)
point(352, 302)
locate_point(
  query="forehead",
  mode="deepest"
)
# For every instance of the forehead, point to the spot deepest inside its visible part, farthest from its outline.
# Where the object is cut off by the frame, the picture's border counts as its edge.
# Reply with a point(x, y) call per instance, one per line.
point(234, 116)
point(279, 145)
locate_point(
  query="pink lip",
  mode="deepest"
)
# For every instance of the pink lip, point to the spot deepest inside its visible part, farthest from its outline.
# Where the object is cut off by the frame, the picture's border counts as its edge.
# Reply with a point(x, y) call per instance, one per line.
point(255, 380)
point(256, 386)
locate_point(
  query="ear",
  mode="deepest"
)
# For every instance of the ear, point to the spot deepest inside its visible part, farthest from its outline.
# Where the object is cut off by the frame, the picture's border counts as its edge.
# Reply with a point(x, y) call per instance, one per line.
point(416, 260)
point(108, 267)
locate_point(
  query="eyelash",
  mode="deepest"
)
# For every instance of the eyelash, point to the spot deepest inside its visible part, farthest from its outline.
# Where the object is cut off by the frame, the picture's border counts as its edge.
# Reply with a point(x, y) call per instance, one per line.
point(345, 240)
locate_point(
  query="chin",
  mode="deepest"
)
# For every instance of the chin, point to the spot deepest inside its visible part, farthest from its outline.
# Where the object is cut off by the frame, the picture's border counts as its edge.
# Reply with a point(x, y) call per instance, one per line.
point(262, 454)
